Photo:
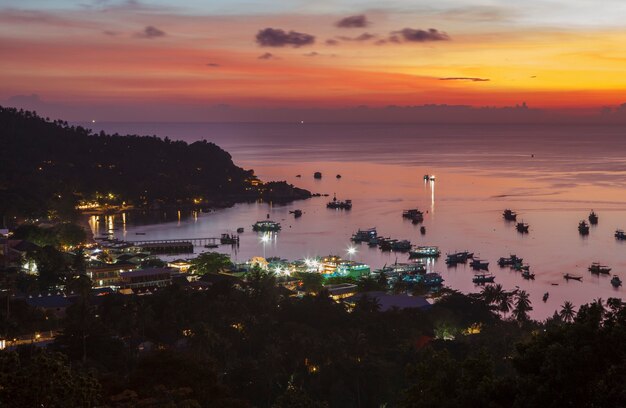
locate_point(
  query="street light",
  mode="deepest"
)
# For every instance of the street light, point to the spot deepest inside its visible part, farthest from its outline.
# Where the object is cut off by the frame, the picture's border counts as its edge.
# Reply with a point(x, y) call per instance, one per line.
point(351, 251)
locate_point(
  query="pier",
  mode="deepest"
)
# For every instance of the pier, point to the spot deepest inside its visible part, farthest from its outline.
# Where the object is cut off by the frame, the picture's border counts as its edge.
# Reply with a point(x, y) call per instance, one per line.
point(193, 241)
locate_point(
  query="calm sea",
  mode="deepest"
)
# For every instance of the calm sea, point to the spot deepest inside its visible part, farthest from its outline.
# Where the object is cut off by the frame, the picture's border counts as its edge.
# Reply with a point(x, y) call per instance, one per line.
point(551, 175)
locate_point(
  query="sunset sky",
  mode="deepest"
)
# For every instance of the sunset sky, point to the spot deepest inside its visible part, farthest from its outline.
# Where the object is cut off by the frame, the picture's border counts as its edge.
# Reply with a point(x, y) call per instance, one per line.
point(112, 57)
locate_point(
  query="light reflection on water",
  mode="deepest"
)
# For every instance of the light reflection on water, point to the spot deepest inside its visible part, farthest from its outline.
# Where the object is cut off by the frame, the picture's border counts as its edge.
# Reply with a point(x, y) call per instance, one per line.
point(480, 171)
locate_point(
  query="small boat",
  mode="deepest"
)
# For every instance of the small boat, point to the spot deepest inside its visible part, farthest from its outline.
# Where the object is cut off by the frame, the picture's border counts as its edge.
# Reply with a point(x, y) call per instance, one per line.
point(365, 235)
point(432, 279)
point(425, 252)
point(317, 175)
point(527, 275)
point(339, 205)
point(567, 276)
point(583, 228)
point(422, 230)
point(509, 215)
point(415, 215)
point(512, 260)
point(296, 213)
point(519, 266)
point(211, 246)
point(458, 257)
point(596, 267)
point(483, 278)
point(140, 233)
point(616, 281)
point(266, 226)
point(593, 218)
point(522, 227)
point(401, 246)
point(478, 264)
point(620, 235)
point(298, 175)
point(545, 297)
point(338, 176)
point(429, 177)
point(240, 230)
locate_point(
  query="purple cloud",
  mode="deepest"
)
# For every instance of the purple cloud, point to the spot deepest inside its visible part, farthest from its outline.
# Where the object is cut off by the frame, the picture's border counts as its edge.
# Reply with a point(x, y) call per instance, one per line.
point(358, 21)
point(275, 37)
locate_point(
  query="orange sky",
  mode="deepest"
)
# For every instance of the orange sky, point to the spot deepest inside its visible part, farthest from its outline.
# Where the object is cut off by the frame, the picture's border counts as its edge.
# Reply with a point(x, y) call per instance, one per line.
point(73, 55)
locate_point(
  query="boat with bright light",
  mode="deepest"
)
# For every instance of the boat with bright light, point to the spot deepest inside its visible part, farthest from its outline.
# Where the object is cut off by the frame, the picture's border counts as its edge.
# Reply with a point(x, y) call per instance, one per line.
point(365, 235)
point(339, 205)
point(425, 252)
point(266, 226)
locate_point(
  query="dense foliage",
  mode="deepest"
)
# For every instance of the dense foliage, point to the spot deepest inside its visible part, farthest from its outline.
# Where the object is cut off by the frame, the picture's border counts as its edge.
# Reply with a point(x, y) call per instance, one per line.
point(47, 166)
point(243, 344)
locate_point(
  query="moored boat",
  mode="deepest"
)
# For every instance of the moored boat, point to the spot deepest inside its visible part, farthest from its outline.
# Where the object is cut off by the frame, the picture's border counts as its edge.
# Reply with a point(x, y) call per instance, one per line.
point(365, 235)
point(568, 276)
point(483, 278)
point(296, 213)
point(596, 267)
point(545, 297)
point(479, 264)
point(340, 205)
point(266, 226)
point(415, 215)
point(522, 227)
point(620, 235)
point(593, 218)
point(583, 228)
point(509, 215)
point(527, 275)
point(616, 281)
point(425, 252)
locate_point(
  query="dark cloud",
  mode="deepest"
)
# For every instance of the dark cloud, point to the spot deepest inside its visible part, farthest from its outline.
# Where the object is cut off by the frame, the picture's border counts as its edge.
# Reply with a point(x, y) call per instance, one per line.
point(311, 54)
point(212, 65)
point(418, 35)
point(332, 41)
point(275, 37)
point(150, 32)
point(358, 21)
point(472, 79)
point(362, 37)
point(267, 56)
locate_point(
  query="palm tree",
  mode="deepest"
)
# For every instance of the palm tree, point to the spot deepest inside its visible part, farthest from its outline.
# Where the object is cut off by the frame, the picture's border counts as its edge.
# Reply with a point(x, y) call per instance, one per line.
point(522, 306)
point(505, 302)
point(567, 312)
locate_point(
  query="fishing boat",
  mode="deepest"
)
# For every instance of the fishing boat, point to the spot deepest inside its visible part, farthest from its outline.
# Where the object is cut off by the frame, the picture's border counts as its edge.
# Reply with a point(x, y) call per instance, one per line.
point(509, 215)
point(385, 244)
point(373, 242)
point(620, 235)
point(140, 233)
point(266, 226)
point(339, 205)
point(432, 279)
point(519, 266)
point(396, 269)
point(593, 218)
point(545, 297)
point(415, 215)
point(616, 281)
point(567, 276)
point(365, 235)
point(425, 252)
point(423, 230)
point(338, 176)
point(401, 246)
point(596, 267)
point(478, 264)
point(483, 278)
point(317, 175)
point(522, 227)
point(429, 177)
point(240, 230)
point(458, 257)
point(296, 213)
point(527, 275)
point(583, 228)
point(510, 261)
point(211, 246)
